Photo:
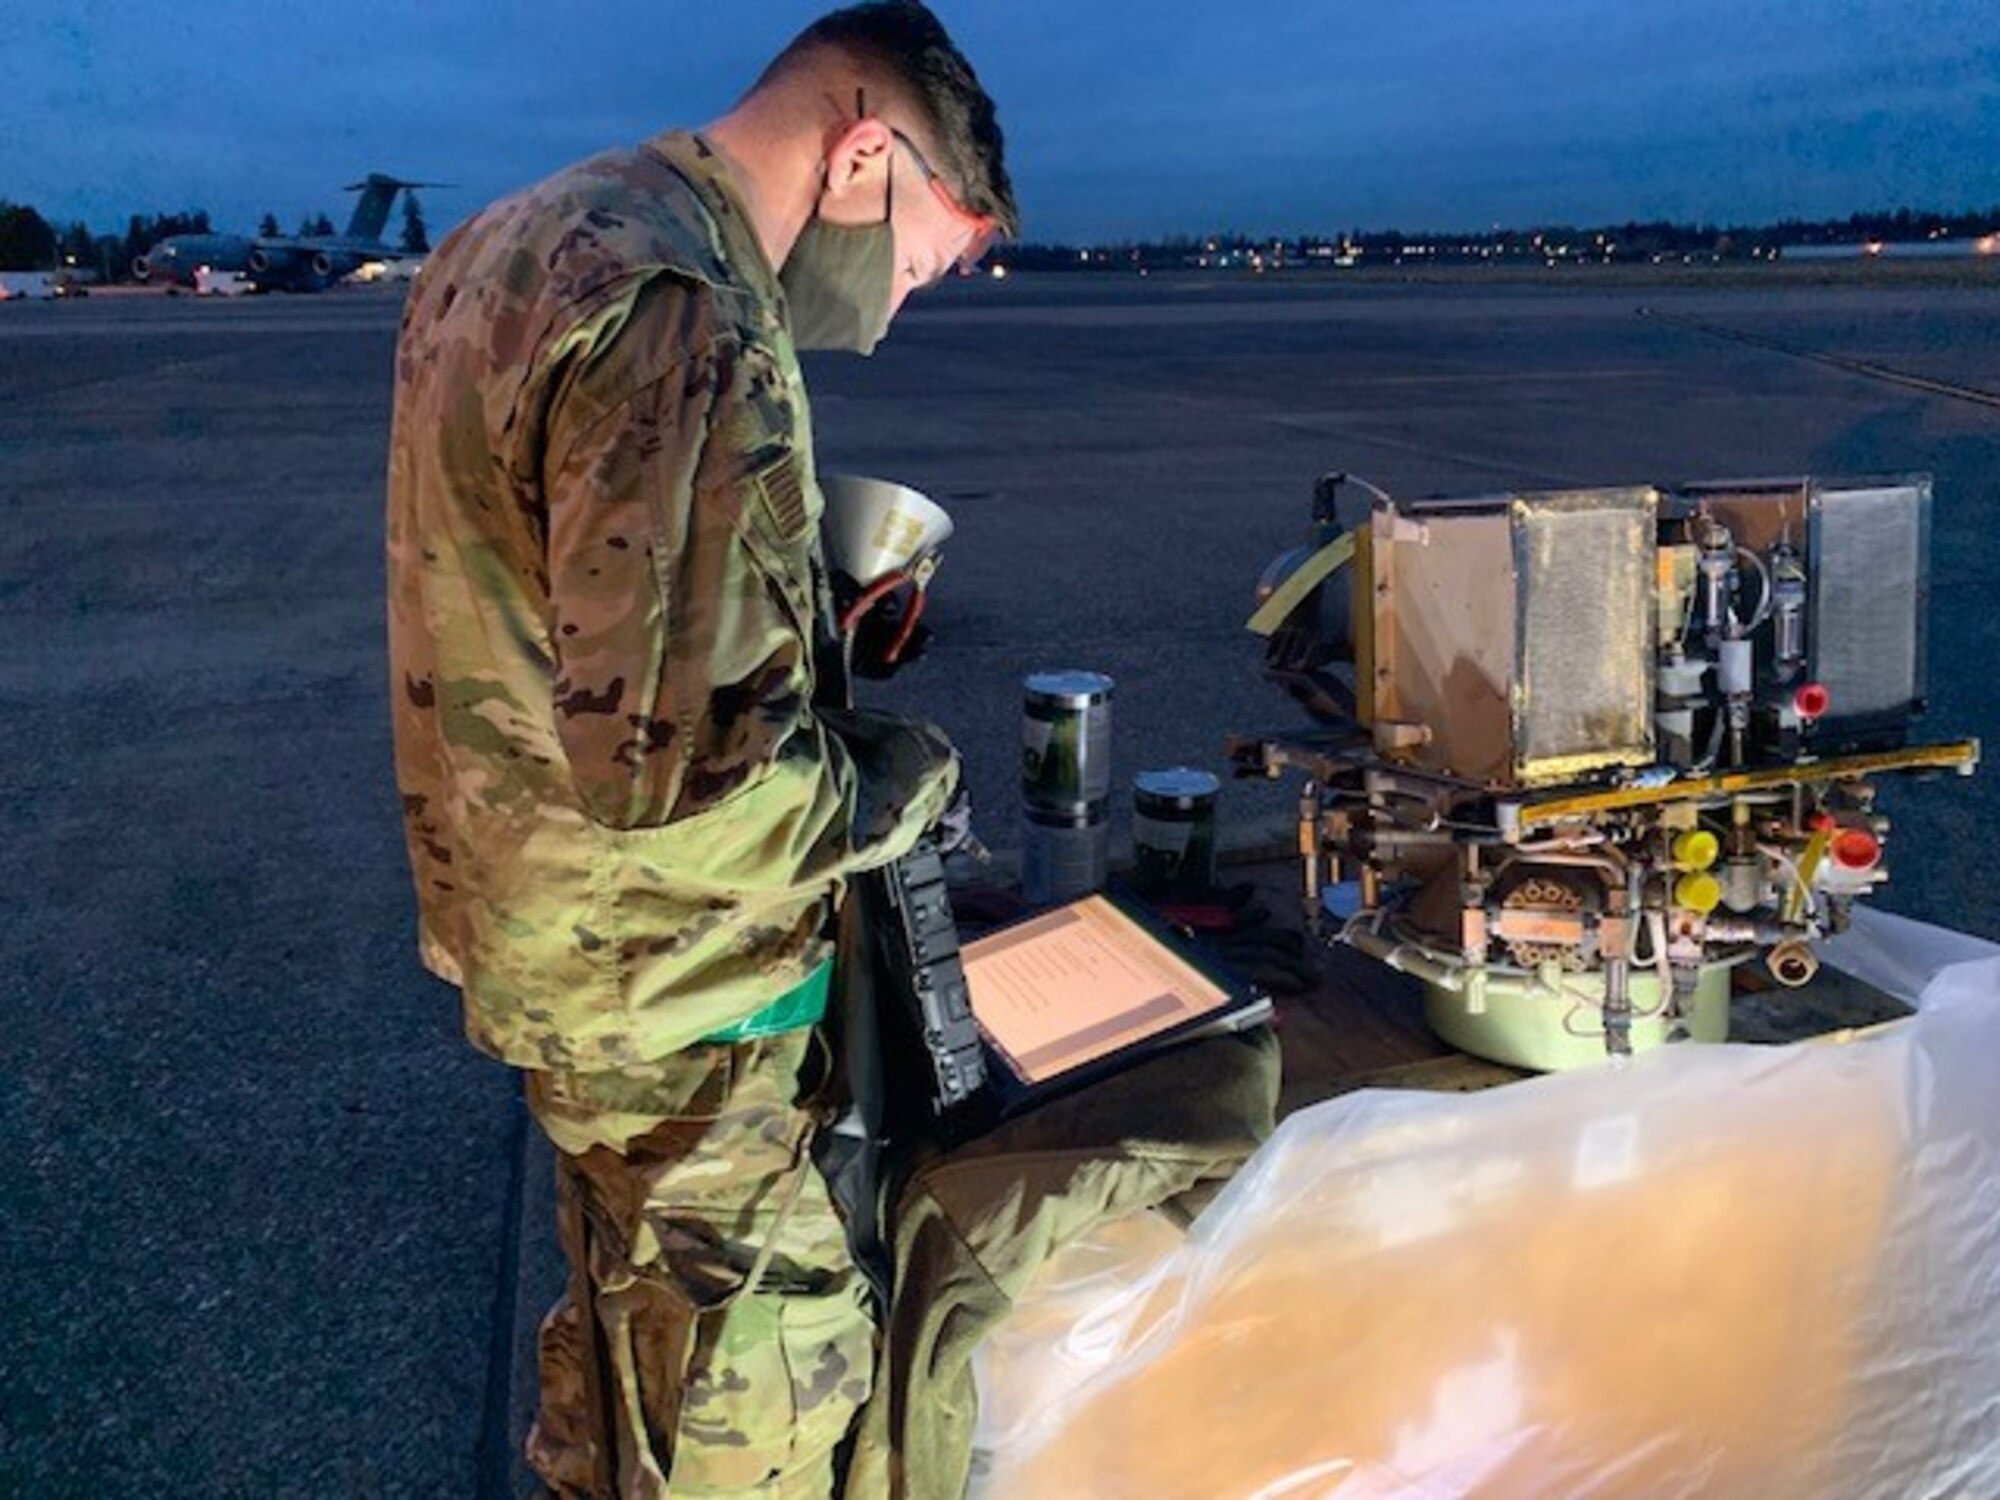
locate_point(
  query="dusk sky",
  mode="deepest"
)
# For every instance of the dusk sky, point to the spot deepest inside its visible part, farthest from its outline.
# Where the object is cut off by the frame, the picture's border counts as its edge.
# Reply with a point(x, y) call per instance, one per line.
point(1124, 119)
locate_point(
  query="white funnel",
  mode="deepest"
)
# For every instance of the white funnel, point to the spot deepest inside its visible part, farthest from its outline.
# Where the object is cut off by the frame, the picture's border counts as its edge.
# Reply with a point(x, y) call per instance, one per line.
point(875, 526)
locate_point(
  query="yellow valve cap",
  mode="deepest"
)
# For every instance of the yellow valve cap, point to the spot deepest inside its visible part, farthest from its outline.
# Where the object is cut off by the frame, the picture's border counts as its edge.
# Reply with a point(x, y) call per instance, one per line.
point(1696, 849)
point(1698, 892)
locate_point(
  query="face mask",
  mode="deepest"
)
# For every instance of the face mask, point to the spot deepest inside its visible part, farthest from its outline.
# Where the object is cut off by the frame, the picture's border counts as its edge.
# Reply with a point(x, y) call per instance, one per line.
point(838, 281)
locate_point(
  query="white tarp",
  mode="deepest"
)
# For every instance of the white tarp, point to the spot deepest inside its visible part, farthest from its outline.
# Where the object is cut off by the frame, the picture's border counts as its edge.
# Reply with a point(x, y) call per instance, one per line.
point(1731, 1270)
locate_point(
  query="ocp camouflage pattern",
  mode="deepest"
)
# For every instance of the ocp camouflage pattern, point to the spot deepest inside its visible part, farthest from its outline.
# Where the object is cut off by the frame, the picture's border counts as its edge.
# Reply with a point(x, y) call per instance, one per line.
point(677, 1178)
point(626, 818)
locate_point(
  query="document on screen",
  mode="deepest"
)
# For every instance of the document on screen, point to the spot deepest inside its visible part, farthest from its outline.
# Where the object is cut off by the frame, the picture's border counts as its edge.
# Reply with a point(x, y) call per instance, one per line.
point(1077, 984)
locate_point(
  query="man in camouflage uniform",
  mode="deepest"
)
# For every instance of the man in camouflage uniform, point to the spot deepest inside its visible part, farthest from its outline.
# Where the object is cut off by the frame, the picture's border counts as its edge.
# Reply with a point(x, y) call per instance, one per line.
point(630, 821)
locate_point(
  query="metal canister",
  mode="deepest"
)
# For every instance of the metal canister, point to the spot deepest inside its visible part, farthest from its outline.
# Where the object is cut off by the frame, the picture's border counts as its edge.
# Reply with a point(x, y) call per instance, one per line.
point(1173, 831)
point(1063, 851)
point(1066, 739)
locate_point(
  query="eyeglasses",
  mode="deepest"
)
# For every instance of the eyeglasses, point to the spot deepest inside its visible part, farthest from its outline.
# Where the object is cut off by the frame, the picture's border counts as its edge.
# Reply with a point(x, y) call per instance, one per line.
point(981, 229)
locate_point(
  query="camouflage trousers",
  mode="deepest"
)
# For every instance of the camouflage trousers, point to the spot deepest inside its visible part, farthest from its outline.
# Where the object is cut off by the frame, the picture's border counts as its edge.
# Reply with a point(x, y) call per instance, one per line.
point(715, 1338)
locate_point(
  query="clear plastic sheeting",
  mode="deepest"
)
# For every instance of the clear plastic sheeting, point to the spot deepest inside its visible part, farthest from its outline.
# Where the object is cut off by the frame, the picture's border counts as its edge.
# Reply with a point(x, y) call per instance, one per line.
point(1727, 1270)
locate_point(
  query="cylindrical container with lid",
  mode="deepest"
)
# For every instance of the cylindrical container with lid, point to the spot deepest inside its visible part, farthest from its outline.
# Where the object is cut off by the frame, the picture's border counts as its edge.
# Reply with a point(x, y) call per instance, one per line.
point(1064, 851)
point(1173, 831)
point(1065, 739)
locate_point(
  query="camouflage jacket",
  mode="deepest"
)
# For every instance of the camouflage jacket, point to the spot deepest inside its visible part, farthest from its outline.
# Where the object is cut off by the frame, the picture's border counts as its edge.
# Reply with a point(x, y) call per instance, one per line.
point(627, 819)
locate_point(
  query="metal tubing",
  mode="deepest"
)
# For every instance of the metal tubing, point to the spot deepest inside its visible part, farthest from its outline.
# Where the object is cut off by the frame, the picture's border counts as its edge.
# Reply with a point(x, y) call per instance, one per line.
point(1409, 960)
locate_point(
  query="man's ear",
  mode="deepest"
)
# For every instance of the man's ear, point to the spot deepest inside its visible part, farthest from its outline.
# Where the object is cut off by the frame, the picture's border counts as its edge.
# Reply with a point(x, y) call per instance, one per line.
point(856, 163)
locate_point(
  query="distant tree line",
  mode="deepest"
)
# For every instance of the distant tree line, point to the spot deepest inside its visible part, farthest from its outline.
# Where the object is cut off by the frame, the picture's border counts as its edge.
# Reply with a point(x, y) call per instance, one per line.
point(416, 237)
point(1632, 241)
point(28, 242)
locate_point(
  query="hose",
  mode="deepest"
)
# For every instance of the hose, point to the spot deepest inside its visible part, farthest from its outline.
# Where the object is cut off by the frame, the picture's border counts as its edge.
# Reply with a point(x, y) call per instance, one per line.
point(1790, 867)
point(910, 617)
point(874, 594)
point(871, 596)
point(1764, 594)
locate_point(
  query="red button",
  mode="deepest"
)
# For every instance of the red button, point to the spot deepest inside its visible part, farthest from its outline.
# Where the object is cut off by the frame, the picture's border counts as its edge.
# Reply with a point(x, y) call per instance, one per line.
point(1856, 849)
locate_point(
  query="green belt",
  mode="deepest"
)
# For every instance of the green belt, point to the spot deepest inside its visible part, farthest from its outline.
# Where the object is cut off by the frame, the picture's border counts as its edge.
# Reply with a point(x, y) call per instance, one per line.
point(802, 1005)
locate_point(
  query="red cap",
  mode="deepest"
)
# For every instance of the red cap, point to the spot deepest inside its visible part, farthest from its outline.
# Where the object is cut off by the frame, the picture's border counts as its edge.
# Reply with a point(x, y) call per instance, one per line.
point(1856, 849)
point(1812, 700)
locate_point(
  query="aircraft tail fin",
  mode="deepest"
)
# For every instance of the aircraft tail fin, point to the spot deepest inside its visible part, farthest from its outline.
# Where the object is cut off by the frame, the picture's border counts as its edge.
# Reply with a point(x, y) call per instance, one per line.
point(378, 195)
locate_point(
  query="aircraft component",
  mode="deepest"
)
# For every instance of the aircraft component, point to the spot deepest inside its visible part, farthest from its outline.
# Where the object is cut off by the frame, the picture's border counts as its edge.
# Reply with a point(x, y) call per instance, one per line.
point(1544, 920)
point(1583, 753)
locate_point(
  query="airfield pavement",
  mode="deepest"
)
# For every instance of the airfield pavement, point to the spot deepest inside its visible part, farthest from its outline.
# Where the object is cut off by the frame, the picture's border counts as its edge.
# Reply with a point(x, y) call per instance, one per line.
point(268, 1226)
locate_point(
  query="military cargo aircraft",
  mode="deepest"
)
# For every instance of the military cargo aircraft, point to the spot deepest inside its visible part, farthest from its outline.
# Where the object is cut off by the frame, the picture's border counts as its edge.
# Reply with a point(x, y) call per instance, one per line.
point(283, 263)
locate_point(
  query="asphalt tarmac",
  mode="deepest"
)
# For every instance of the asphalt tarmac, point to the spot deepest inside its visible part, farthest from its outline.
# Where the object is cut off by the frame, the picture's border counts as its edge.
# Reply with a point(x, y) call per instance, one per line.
point(269, 1225)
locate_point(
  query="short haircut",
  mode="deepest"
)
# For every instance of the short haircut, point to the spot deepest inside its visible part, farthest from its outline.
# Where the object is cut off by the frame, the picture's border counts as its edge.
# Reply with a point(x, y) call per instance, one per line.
point(900, 41)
